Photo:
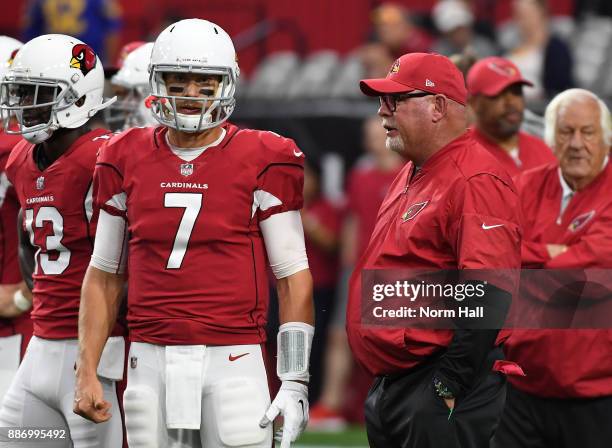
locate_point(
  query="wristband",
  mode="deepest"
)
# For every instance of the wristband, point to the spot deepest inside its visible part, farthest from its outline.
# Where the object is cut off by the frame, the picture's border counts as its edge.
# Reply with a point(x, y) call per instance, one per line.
point(21, 302)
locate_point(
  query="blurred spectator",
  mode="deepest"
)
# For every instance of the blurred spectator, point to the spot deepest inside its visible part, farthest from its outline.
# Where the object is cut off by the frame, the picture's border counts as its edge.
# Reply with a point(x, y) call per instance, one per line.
point(394, 28)
point(541, 56)
point(321, 221)
point(95, 22)
point(495, 88)
point(376, 59)
point(464, 62)
point(455, 21)
point(367, 186)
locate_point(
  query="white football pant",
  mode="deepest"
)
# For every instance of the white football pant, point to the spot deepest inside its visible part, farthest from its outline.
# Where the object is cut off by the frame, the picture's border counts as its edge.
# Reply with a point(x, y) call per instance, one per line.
point(222, 391)
point(42, 395)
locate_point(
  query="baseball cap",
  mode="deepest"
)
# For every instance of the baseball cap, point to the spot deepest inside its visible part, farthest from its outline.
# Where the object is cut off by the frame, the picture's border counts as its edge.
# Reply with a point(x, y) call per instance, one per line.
point(490, 76)
point(428, 72)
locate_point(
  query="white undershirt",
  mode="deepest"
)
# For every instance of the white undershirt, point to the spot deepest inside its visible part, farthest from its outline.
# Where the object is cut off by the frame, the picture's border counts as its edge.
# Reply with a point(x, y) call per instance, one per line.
point(189, 154)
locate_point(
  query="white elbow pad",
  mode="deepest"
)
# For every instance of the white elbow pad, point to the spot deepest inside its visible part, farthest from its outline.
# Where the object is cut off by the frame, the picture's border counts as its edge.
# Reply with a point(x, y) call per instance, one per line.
point(284, 239)
point(294, 342)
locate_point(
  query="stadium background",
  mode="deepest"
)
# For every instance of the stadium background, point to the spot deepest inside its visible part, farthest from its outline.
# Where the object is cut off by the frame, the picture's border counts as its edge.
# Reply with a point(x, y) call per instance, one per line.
point(301, 62)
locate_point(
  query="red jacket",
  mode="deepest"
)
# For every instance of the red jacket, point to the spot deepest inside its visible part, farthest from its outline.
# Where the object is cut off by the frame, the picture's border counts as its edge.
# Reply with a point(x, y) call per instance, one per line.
point(458, 190)
point(532, 152)
point(564, 363)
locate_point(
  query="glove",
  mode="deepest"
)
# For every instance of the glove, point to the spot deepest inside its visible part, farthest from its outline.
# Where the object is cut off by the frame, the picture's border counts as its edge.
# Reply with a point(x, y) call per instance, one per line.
point(292, 402)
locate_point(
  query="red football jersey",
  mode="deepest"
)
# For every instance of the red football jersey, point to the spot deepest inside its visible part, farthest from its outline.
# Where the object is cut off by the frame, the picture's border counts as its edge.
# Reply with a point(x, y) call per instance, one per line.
point(435, 220)
point(9, 264)
point(197, 259)
point(564, 363)
point(532, 152)
point(58, 215)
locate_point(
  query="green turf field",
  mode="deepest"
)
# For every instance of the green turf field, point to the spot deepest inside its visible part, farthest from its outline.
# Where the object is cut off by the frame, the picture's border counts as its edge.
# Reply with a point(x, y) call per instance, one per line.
point(354, 437)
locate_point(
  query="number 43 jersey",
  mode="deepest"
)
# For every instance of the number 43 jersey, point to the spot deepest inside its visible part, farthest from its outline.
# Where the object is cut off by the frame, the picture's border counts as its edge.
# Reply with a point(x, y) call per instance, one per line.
point(196, 256)
point(58, 216)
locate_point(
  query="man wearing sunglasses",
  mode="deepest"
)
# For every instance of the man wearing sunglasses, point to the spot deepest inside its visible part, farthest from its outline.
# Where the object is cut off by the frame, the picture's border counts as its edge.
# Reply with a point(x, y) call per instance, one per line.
point(452, 207)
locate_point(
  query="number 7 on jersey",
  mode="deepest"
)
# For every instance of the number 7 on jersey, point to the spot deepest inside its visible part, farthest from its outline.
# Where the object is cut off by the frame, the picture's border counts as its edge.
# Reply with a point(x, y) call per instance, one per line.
point(192, 203)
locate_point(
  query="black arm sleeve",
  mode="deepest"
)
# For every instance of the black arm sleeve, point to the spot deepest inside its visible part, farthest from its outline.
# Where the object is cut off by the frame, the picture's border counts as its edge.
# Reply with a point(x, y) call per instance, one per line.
point(27, 252)
point(466, 356)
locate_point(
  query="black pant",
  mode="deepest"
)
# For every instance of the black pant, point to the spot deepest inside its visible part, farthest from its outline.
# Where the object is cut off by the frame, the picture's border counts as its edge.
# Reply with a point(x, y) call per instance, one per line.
point(405, 412)
point(533, 422)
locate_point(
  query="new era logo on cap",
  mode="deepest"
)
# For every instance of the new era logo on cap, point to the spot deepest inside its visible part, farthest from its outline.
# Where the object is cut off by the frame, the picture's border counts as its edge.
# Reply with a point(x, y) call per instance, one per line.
point(429, 83)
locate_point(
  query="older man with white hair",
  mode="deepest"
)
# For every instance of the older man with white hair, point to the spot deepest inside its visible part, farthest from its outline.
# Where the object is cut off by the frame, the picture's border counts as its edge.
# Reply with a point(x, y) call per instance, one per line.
point(566, 398)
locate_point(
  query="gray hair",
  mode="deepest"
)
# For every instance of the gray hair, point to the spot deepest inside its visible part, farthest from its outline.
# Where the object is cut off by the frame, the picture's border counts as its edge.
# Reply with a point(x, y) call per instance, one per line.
point(552, 111)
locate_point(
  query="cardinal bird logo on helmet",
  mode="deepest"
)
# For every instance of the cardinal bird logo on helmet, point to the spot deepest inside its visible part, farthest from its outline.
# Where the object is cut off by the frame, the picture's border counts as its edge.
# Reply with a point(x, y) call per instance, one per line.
point(83, 58)
point(12, 57)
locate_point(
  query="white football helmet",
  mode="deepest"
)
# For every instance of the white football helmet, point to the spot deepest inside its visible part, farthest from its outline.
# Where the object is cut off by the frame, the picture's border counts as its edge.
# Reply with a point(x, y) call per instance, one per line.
point(193, 46)
point(8, 51)
point(133, 77)
point(55, 81)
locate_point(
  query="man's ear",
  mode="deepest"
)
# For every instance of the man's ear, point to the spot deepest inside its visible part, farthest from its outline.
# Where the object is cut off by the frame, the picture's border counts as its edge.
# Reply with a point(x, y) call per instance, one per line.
point(440, 108)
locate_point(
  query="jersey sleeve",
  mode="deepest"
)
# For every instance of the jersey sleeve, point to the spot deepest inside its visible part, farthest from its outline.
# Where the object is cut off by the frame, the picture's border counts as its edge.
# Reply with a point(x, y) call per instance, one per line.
point(108, 190)
point(280, 182)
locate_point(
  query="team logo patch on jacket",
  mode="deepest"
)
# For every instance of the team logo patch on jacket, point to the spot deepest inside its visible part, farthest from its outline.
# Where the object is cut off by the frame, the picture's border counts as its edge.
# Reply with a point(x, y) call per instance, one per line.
point(414, 210)
point(83, 58)
point(580, 221)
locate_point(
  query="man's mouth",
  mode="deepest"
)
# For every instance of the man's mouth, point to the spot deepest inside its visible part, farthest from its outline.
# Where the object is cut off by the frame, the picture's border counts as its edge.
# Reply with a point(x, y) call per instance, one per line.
point(190, 109)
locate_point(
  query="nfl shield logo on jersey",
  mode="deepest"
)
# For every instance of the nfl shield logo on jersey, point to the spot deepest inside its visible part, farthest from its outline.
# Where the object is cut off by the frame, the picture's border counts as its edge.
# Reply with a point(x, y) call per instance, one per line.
point(40, 183)
point(186, 169)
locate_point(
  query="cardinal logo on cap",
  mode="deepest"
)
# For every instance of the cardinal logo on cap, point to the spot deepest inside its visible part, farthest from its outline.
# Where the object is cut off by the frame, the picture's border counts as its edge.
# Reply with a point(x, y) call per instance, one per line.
point(501, 70)
point(395, 67)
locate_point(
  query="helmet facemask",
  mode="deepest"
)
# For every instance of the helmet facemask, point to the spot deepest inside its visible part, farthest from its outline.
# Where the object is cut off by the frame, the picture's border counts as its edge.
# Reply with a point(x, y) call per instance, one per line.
point(35, 103)
point(216, 107)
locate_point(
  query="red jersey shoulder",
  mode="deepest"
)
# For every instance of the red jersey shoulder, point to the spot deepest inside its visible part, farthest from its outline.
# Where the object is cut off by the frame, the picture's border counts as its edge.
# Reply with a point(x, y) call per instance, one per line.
point(270, 148)
point(8, 142)
point(88, 147)
point(122, 144)
point(17, 159)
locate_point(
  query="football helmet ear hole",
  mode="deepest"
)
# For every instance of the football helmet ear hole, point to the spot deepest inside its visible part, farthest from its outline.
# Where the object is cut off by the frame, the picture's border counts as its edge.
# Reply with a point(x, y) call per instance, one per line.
point(80, 101)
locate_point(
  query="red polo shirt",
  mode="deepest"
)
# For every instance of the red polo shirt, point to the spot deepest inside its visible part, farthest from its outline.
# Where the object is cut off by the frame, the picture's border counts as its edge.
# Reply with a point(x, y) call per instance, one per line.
point(470, 220)
point(532, 152)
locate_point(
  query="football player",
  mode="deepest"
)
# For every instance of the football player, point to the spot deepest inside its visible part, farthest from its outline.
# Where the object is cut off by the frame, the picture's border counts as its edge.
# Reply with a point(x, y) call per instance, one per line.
point(54, 86)
point(199, 203)
point(131, 85)
point(15, 332)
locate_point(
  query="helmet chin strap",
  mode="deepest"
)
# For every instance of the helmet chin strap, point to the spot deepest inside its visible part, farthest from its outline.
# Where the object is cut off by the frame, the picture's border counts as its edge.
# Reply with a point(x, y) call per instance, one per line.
point(96, 109)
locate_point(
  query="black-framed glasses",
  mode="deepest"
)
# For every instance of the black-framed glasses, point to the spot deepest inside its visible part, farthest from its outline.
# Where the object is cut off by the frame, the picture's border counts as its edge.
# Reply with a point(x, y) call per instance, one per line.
point(391, 100)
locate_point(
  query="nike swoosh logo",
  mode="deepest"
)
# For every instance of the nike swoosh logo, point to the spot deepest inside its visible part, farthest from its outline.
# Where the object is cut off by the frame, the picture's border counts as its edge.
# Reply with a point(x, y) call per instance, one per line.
point(486, 227)
point(297, 153)
point(301, 404)
point(234, 358)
